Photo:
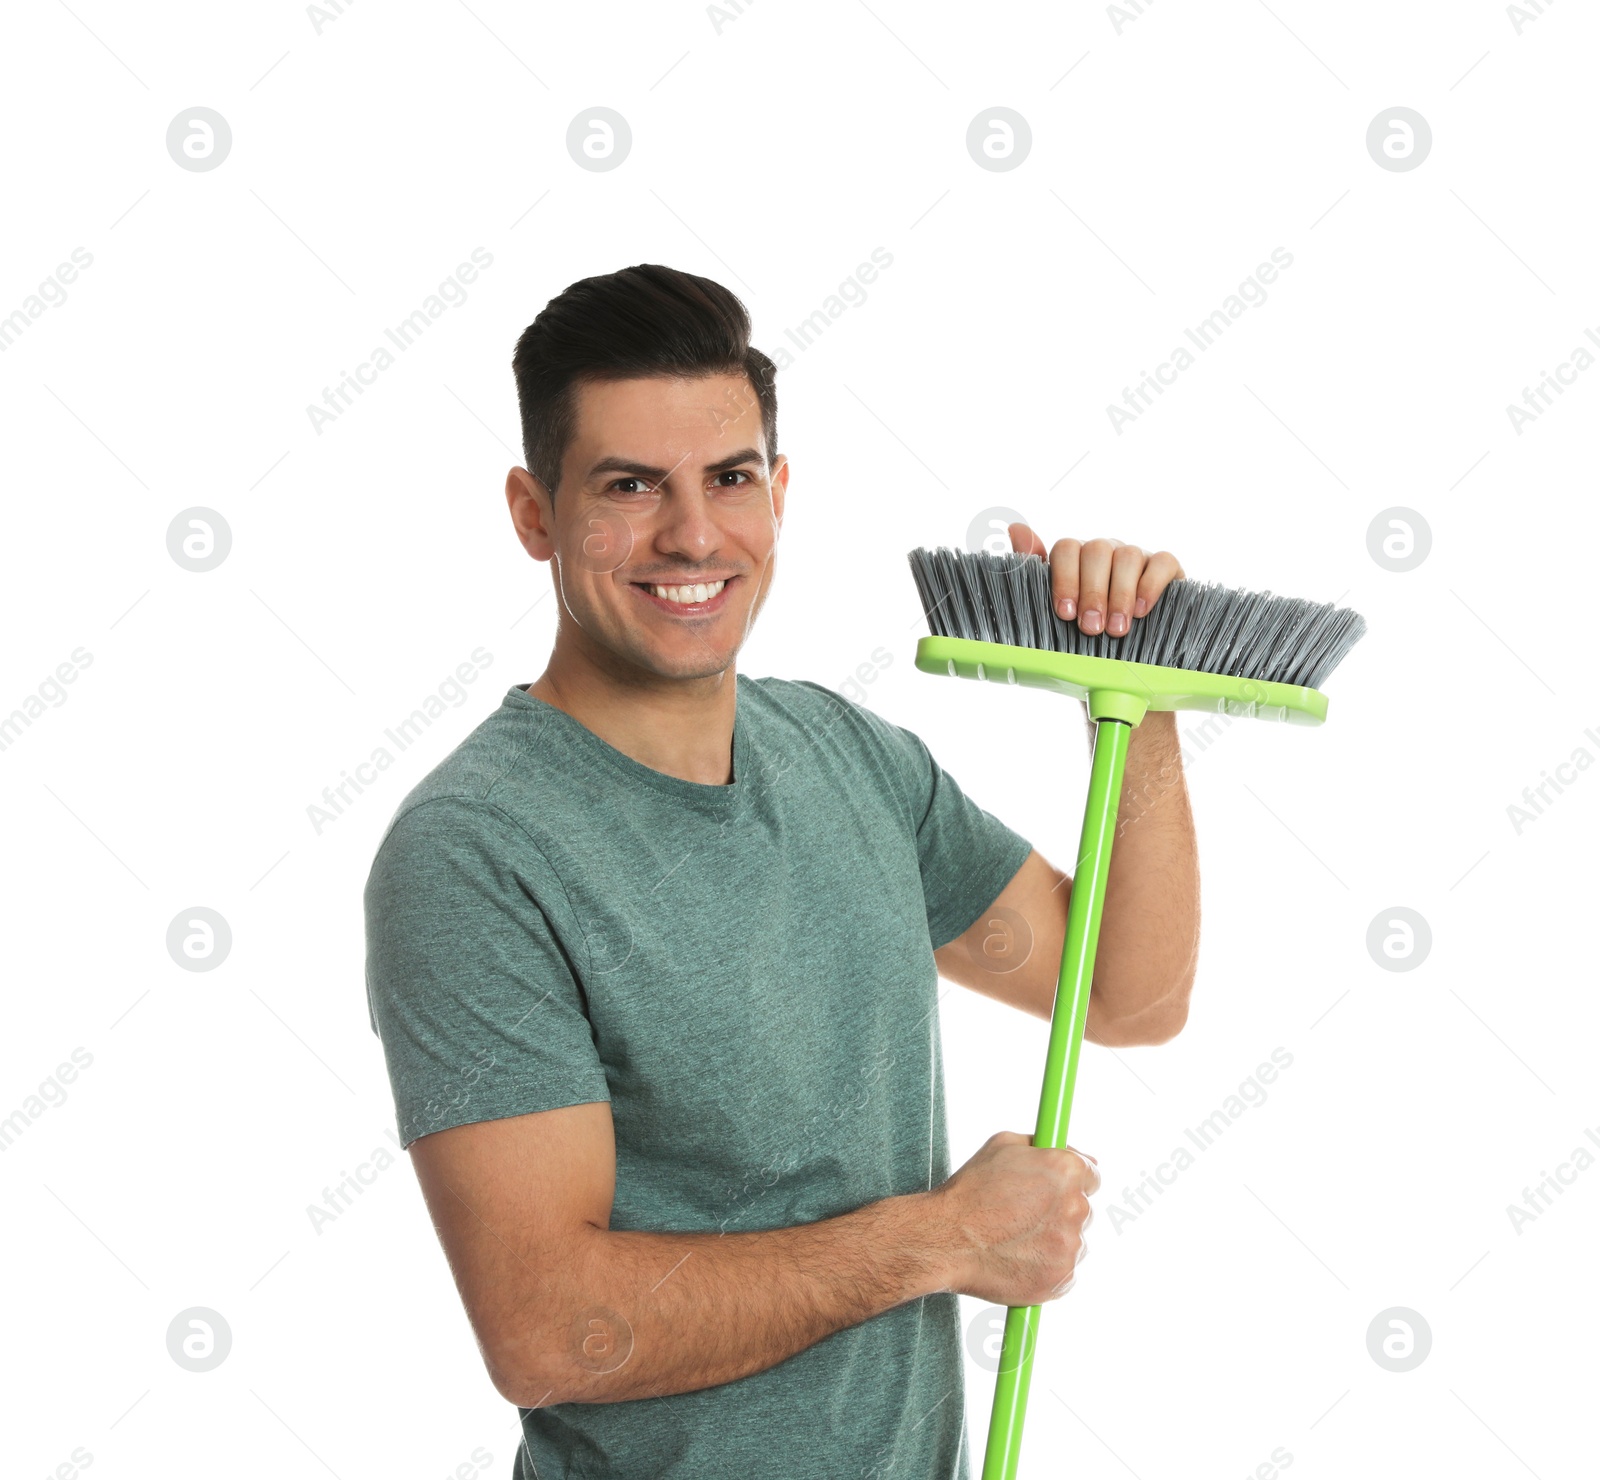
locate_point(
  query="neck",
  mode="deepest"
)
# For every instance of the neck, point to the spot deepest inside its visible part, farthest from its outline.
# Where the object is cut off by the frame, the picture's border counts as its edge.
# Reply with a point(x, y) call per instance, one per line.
point(682, 727)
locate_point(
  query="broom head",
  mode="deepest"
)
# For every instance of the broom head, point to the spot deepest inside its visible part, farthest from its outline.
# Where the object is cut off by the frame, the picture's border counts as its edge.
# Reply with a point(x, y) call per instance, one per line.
point(1201, 646)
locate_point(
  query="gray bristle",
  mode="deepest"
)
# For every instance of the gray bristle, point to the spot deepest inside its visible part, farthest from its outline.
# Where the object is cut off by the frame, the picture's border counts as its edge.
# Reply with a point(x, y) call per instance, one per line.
point(1198, 625)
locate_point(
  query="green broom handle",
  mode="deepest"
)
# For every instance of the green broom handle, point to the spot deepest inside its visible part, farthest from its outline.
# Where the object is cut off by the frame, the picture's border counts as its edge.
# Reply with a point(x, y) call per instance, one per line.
point(1067, 1019)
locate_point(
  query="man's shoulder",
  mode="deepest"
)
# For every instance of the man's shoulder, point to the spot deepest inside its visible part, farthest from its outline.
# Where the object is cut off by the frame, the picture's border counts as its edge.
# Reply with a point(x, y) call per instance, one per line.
point(462, 790)
point(807, 701)
point(834, 722)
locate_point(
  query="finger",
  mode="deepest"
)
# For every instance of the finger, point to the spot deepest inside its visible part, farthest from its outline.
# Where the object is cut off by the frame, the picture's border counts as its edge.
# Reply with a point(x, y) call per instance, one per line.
point(1024, 541)
point(1091, 1180)
point(1094, 584)
point(1064, 577)
point(1091, 1167)
point(1159, 570)
point(1127, 561)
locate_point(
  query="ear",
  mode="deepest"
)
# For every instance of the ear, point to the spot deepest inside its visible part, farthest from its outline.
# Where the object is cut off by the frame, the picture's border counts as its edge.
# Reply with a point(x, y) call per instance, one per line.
point(532, 513)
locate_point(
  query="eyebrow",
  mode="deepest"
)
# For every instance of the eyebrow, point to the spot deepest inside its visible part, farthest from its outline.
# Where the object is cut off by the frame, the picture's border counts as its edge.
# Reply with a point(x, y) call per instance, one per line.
point(645, 470)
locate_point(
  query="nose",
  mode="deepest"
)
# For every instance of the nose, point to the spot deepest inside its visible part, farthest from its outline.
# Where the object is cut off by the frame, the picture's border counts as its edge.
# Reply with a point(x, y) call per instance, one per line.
point(686, 527)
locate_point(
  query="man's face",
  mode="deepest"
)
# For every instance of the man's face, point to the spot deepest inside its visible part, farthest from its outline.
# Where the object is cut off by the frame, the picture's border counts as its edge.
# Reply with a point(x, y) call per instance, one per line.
point(665, 485)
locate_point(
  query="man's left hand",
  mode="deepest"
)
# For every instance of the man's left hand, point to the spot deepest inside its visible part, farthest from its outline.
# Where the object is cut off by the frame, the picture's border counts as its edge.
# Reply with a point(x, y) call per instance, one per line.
point(1103, 583)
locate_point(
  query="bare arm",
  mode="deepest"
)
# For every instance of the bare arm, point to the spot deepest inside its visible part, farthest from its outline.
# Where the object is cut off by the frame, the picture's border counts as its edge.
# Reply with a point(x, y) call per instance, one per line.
point(1150, 932)
point(567, 1310)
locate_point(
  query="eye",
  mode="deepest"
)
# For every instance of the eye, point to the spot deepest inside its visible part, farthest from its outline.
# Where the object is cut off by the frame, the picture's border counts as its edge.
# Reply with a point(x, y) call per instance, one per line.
point(620, 481)
point(735, 473)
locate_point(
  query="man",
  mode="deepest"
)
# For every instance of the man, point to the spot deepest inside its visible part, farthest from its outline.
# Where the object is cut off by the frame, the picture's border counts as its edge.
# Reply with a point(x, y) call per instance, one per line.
point(653, 956)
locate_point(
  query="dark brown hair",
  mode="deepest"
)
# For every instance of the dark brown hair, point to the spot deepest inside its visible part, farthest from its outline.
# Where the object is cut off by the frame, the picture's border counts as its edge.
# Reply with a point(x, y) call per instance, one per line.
point(640, 321)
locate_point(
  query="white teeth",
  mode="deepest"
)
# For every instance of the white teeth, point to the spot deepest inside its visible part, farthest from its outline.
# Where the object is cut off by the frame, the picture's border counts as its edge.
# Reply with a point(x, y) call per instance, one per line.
point(688, 595)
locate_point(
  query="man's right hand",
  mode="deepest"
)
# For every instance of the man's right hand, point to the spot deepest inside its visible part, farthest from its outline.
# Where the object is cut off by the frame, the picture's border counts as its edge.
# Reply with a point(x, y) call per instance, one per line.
point(567, 1309)
point(1015, 1215)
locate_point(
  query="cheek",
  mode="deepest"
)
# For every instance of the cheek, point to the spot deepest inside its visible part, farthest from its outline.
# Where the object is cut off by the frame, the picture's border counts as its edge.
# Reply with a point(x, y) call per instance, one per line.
point(758, 533)
point(597, 544)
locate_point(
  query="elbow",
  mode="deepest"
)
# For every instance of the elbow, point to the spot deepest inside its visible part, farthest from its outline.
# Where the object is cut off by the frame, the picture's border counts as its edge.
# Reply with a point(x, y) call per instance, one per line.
point(1158, 1025)
point(559, 1360)
point(523, 1356)
point(510, 1370)
point(541, 1349)
point(1159, 1022)
point(1169, 1022)
point(1173, 1012)
point(522, 1380)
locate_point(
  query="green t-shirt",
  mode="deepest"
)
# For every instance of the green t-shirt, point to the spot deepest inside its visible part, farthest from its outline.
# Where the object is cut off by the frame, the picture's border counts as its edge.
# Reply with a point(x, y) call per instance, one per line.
point(746, 973)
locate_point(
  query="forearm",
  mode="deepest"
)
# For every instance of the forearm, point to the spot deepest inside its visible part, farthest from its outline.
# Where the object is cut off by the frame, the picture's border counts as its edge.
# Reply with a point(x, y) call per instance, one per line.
point(638, 1315)
point(1149, 934)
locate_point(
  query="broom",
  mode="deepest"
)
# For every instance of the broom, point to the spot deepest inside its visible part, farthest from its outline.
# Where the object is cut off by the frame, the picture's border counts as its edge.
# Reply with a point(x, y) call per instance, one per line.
point(1202, 646)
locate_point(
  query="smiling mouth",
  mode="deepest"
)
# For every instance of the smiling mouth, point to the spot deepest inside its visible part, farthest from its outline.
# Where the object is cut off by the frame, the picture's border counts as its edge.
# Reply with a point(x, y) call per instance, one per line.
point(693, 598)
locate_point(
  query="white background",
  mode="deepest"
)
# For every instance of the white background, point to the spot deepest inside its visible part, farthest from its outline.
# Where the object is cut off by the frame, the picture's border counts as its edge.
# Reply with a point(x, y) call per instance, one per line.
point(774, 150)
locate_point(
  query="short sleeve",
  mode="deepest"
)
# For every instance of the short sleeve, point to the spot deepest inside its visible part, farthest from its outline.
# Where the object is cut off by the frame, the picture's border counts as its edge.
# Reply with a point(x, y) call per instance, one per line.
point(469, 989)
point(967, 855)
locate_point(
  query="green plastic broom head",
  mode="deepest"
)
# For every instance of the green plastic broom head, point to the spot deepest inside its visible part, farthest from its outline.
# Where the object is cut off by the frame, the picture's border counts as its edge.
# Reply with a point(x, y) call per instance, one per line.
point(1202, 646)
